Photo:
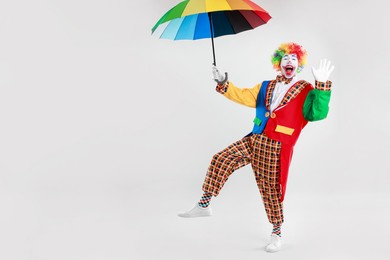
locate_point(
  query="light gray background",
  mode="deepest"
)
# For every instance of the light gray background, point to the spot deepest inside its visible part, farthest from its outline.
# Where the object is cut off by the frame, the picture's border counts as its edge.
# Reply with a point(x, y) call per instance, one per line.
point(106, 133)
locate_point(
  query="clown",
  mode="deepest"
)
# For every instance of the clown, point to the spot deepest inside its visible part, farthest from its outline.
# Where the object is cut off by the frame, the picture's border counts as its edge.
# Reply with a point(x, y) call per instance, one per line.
point(283, 108)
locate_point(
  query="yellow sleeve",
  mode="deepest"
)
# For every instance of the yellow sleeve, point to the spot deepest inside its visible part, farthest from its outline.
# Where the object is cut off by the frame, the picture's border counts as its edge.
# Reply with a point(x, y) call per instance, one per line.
point(243, 96)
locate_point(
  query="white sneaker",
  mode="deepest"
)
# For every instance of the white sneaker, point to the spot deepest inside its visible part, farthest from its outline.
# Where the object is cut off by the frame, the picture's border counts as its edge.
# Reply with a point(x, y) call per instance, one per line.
point(196, 211)
point(275, 245)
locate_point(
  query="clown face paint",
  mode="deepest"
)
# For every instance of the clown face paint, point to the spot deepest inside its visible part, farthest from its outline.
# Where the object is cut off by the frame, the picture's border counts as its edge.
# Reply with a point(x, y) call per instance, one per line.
point(289, 65)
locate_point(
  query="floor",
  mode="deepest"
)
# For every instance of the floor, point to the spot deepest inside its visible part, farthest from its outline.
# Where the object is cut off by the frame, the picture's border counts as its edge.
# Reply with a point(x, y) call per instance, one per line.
point(115, 221)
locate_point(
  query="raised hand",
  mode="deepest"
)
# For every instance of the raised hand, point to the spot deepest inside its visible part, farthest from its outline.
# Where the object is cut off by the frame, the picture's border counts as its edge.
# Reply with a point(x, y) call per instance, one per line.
point(324, 70)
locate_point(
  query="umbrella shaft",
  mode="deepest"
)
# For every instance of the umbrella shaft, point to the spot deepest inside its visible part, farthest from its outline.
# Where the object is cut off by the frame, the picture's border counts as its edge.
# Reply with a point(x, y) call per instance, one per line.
point(212, 38)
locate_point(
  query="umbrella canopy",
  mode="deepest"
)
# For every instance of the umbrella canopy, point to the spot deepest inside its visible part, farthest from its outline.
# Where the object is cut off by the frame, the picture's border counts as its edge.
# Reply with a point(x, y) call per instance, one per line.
point(190, 19)
point(198, 19)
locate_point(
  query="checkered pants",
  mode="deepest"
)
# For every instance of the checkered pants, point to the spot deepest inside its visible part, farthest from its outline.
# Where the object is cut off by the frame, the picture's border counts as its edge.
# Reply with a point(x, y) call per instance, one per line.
point(263, 154)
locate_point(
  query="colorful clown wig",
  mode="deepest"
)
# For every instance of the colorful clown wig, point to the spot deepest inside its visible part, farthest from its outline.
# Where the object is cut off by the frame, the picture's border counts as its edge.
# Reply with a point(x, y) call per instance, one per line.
point(289, 48)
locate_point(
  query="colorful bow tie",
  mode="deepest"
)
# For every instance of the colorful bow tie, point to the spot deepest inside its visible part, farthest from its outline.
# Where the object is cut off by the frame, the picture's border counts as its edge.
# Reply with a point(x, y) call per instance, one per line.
point(281, 78)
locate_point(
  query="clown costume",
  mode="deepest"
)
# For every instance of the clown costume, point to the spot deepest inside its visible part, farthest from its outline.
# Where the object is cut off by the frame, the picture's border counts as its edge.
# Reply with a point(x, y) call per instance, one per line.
point(283, 108)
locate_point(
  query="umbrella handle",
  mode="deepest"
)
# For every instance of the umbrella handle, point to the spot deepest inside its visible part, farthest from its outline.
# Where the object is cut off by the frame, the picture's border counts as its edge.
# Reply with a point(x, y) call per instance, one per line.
point(212, 38)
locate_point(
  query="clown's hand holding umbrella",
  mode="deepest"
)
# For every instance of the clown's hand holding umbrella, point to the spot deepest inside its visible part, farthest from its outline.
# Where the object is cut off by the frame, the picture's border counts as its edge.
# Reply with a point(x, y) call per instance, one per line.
point(218, 76)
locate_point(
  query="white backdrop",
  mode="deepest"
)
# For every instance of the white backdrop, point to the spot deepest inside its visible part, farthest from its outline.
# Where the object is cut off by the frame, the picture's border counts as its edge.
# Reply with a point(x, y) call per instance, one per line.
point(106, 132)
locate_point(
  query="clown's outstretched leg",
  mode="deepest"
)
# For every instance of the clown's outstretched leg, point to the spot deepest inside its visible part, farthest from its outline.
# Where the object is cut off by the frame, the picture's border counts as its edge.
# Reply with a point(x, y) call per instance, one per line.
point(221, 167)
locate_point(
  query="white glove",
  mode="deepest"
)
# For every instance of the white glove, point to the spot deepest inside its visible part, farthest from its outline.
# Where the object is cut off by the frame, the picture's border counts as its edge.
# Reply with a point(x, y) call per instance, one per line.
point(218, 77)
point(323, 72)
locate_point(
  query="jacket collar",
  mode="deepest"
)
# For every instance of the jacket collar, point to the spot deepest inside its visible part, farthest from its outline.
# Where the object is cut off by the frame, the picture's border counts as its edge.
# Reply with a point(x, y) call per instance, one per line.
point(290, 95)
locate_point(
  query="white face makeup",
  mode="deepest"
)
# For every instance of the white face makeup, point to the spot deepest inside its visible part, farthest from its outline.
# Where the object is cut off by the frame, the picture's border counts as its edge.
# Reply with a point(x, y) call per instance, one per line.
point(289, 65)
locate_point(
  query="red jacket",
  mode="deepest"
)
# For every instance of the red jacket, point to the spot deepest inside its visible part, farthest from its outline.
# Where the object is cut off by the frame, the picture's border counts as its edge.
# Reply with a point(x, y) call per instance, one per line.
point(285, 124)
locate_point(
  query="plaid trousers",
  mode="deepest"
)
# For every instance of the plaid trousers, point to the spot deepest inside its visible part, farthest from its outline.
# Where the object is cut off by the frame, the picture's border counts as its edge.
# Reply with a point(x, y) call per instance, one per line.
point(263, 154)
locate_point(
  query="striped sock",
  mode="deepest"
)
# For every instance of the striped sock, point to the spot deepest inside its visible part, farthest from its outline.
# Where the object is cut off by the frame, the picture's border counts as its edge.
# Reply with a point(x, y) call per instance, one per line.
point(277, 230)
point(205, 200)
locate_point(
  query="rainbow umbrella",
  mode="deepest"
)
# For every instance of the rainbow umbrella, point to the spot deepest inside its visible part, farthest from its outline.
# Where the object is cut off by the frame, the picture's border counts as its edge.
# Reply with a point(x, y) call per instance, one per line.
point(198, 19)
